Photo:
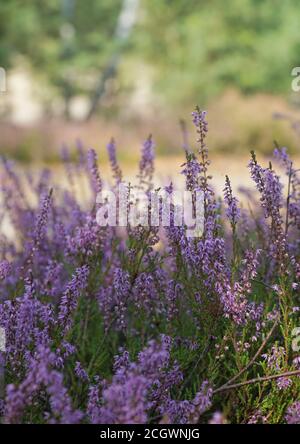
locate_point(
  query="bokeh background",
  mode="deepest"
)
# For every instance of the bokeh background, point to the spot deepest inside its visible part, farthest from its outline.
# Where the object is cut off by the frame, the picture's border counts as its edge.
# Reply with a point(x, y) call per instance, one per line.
point(92, 69)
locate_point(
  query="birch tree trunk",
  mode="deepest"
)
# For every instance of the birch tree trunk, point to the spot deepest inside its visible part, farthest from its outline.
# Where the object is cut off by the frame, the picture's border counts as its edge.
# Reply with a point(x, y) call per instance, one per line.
point(125, 23)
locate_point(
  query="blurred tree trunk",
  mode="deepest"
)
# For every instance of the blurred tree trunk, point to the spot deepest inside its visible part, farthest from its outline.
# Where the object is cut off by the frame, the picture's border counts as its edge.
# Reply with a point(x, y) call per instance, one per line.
point(125, 23)
point(67, 33)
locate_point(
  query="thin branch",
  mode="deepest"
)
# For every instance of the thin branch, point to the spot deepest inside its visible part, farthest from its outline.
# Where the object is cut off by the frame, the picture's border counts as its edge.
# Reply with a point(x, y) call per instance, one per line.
point(251, 362)
point(262, 283)
point(257, 380)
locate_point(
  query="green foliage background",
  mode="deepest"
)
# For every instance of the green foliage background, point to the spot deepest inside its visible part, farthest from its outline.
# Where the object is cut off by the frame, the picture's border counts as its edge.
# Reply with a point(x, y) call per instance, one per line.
point(208, 45)
point(193, 46)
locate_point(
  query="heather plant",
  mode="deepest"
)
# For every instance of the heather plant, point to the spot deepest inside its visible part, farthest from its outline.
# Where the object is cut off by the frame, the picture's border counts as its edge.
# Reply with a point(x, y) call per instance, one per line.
point(146, 325)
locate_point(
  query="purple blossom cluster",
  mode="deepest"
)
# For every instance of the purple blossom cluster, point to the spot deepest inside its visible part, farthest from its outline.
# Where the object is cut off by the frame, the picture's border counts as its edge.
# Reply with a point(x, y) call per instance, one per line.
point(147, 325)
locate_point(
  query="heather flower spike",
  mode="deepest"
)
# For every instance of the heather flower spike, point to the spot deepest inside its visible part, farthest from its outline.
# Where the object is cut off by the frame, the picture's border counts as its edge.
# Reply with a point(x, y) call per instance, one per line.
point(144, 324)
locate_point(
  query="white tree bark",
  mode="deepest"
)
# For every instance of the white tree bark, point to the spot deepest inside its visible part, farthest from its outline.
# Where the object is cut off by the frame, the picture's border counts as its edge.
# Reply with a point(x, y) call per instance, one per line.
point(125, 24)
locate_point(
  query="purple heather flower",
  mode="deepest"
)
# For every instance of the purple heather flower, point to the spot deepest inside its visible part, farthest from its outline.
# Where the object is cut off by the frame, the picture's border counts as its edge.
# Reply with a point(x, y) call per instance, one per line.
point(40, 374)
point(138, 387)
point(234, 296)
point(80, 303)
point(296, 362)
point(257, 418)
point(191, 171)
point(93, 170)
point(270, 189)
point(70, 297)
point(217, 418)
point(62, 353)
point(232, 212)
point(275, 358)
point(117, 173)
point(173, 292)
point(293, 413)
point(126, 402)
point(188, 412)
point(86, 239)
point(294, 179)
point(284, 383)
point(146, 167)
point(27, 322)
point(5, 269)
point(113, 298)
point(94, 406)
point(42, 218)
point(200, 122)
point(80, 372)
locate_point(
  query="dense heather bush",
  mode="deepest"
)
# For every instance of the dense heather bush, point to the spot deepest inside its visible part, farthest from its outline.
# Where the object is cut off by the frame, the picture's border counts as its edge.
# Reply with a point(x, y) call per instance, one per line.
point(150, 326)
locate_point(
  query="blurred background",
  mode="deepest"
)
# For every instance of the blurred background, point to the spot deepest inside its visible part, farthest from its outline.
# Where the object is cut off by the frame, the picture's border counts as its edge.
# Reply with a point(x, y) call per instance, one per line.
point(92, 69)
